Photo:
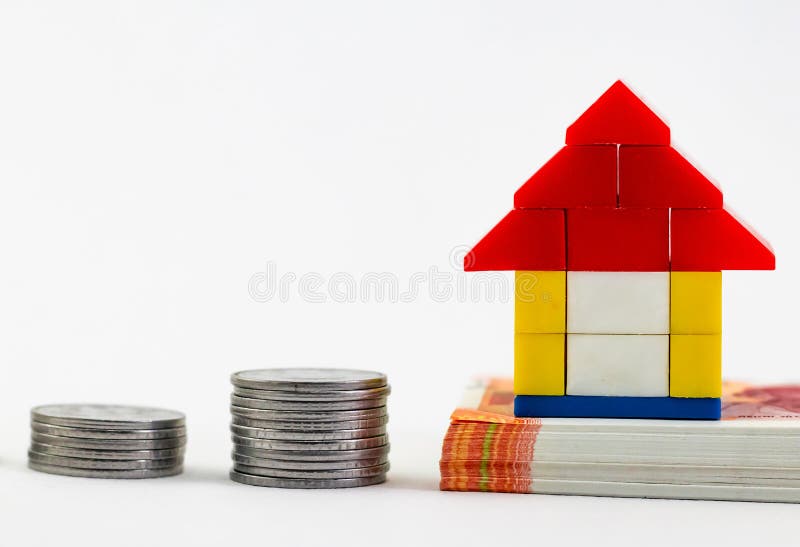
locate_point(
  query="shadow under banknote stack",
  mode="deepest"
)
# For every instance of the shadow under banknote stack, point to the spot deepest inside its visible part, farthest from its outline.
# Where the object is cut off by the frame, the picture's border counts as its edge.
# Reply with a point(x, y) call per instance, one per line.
point(309, 428)
point(107, 441)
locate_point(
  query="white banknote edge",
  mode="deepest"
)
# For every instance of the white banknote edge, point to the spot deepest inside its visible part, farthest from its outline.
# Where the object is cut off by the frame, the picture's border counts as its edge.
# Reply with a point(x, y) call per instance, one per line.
point(668, 491)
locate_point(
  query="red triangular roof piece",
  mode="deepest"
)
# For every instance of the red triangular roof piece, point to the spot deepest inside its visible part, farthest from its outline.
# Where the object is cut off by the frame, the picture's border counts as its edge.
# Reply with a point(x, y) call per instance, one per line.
point(618, 117)
point(526, 239)
point(658, 176)
point(577, 176)
point(707, 240)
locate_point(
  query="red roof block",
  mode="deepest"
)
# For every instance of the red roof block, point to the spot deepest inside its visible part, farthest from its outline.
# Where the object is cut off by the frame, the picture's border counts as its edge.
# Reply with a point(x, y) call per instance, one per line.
point(618, 117)
point(577, 176)
point(526, 239)
point(624, 240)
point(714, 239)
point(658, 176)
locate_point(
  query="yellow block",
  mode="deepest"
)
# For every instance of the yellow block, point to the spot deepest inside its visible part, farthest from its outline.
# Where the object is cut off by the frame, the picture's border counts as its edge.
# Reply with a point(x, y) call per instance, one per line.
point(539, 364)
point(540, 302)
point(696, 303)
point(695, 365)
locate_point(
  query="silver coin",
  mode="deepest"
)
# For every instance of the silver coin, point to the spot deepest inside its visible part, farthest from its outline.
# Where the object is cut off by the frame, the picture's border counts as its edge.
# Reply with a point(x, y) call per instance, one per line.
point(334, 416)
point(123, 455)
point(308, 380)
point(322, 396)
point(107, 416)
point(119, 465)
point(108, 444)
point(307, 465)
point(263, 404)
point(351, 444)
point(253, 480)
point(106, 474)
point(314, 455)
point(131, 434)
point(296, 474)
point(284, 435)
point(310, 426)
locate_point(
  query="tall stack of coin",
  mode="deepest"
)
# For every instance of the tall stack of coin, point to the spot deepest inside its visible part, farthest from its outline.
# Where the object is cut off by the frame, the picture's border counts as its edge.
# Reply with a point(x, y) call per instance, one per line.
point(107, 441)
point(309, 428)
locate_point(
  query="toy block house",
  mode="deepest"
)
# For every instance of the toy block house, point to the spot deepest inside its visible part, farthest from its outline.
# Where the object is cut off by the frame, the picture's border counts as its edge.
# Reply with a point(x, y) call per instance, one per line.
point(618, 244)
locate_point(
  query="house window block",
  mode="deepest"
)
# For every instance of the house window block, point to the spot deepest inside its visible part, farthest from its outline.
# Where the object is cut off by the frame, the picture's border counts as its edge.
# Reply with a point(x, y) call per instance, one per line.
point(540, 302)
point(538, 364)
point(695, 365)
point(618, 365)
point(696, 299)
point(618, 302)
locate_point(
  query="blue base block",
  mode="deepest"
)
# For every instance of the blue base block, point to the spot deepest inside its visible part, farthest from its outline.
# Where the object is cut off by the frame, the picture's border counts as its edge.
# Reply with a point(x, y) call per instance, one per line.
point(574, 406)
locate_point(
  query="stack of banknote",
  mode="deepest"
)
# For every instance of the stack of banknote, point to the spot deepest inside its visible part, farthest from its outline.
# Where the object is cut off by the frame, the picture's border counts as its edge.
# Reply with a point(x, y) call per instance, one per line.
point(752, 454)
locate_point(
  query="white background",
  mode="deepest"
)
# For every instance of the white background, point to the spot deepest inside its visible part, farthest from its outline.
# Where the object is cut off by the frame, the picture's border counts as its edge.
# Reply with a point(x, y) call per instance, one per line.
point(155, 155)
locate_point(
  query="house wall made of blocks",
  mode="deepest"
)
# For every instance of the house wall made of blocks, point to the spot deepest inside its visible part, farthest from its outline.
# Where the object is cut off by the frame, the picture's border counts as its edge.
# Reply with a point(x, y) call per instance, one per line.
point(618, 245)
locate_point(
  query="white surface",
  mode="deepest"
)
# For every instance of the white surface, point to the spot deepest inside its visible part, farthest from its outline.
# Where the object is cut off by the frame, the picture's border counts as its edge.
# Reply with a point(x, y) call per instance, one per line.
point(154, 156)
point(633, 365)
point(618, 302)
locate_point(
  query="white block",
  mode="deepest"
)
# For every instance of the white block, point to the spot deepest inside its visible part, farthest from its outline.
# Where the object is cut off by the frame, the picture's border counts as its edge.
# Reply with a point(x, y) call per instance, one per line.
point(618, 302)
point(618, 365)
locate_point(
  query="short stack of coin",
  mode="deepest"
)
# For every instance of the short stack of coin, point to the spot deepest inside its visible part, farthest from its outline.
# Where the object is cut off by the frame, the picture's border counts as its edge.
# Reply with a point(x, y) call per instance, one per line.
point(107, 441)
point(309, 428)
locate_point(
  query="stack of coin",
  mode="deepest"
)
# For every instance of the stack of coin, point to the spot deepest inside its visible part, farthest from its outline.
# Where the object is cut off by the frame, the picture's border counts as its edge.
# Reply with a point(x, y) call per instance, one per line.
point(309, 428)
point(107, 441)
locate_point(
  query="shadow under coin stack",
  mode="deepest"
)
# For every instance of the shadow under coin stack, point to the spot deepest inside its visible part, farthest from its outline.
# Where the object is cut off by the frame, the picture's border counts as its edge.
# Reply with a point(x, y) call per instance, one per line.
point(309, 428)
point(107, 441)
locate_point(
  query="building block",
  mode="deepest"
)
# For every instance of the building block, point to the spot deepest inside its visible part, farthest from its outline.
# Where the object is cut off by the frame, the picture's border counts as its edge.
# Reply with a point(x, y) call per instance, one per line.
point(526, 239)
point(618, 117)
point(618, 302)
point(618, 365)
point(635, 240)
point(707, 240)
point(695, 303)
point(539, 364)
point(670, 408)
point(695, 368)
point(658, 176)
point(577, 176)
point(540, 302)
